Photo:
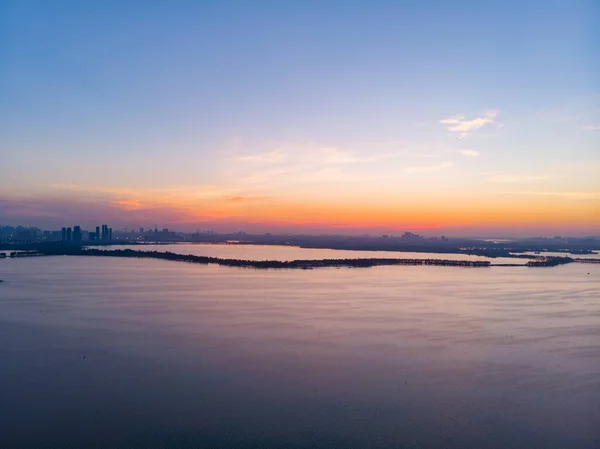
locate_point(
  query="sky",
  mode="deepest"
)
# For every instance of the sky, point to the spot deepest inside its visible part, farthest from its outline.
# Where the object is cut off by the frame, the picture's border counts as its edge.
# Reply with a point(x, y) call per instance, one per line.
point(457, 118)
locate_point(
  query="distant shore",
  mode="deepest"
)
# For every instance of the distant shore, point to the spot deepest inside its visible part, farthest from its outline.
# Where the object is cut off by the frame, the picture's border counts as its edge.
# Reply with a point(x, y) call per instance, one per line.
point(69, 250)
point(530, 249)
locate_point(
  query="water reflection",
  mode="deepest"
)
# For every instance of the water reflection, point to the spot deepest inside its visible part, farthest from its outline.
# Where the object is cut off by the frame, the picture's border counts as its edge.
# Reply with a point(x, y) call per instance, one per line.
point(142, 353)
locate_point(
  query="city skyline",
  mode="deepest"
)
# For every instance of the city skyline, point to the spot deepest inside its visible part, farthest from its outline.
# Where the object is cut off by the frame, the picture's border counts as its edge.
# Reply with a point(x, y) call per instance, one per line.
point(458, 119)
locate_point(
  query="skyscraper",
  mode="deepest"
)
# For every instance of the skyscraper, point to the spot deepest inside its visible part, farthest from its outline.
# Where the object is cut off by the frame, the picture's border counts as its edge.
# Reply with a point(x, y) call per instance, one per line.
point(109, 233)
point(77, 237)
point(97, 232)
point(69, 235)
point(63, 234)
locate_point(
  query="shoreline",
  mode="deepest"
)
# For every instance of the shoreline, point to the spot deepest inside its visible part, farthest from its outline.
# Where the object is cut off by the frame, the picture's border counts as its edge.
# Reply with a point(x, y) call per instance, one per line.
point(461, 248)
point(275, 264)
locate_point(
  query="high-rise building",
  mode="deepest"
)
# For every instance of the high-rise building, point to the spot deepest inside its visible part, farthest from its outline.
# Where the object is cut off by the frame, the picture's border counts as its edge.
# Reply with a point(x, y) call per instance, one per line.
point(63, 234)
point(97, 232)
point(92, 236)
point(69, 235)
point(77, 236)
point(109, 233)
point(141, 230)
point(104, 232)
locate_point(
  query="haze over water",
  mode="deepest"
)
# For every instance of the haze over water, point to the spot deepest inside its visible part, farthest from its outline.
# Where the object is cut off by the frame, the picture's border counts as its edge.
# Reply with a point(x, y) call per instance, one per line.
point(111, 352)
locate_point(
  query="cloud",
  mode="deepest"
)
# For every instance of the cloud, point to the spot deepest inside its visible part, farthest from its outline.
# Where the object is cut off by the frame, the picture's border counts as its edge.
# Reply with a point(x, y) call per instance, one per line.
point(428, 168)
point(315, 156)
point(246, 199)
point(575, 195)
point(305, 164)
point(128, 204)
point(515, 179)
point(265, 157)
point(335, 156)
point(462, 128)
point(592, 128)
point(469, 153)
point(310, 165)
point(53, 212)
point(190, 192)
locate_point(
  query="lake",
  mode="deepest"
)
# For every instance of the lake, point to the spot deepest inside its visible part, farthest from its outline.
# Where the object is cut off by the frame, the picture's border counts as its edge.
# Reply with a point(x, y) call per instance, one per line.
point(288, 253)
point(135, 353)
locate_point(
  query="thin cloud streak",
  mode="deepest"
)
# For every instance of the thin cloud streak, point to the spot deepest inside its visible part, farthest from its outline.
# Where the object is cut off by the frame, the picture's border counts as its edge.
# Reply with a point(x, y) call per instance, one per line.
point(515, 179)
point(469, 153)
point(575, 195)
point(247, 199)
point(310, 155)
point(429, 168)
point(309, 165)
point(267, 157)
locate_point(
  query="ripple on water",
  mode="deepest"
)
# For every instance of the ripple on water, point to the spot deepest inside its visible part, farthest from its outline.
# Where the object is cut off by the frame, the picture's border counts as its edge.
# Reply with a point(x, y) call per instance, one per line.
point(382, 357)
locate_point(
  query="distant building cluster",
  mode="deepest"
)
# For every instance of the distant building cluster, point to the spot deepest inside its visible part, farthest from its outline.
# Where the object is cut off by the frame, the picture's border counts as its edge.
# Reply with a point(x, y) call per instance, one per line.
point(76, 235)
point(19, 234)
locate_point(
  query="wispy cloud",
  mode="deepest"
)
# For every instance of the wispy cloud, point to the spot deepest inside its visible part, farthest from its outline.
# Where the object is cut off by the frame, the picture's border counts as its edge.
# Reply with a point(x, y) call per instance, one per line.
point(56, 212)
point(336, 156)
point(310, 165)
point(310, 155)
point(469, 153)
point(515, 179)
point(303, 164)
point(575, 195)
point(265, 157)
point(128, 204)
point(191, 191)
point(428, 168)
point(592, 128)
point(461, 128)
point(246, 199)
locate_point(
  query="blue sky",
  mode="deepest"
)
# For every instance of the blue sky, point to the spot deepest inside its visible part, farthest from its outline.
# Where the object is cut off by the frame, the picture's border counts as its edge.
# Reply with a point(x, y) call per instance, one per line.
point(128, 101)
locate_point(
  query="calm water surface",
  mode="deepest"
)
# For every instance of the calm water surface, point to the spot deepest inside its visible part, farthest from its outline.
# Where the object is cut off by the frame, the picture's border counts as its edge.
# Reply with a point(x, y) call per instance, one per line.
point(115, 353)
point(286, 253)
